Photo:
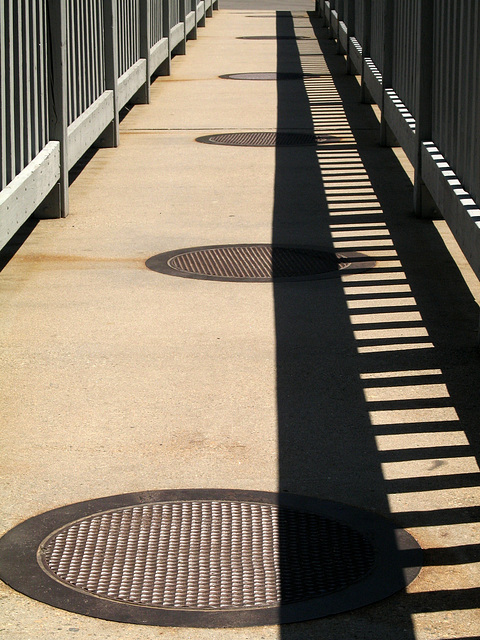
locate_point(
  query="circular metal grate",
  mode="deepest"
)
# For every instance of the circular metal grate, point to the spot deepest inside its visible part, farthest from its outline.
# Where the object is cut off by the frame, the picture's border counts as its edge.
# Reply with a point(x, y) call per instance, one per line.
point(208, 558)
point(275, 38)
point(270, 75)
point(208, 554)
point(265, 139)
point(255, 263)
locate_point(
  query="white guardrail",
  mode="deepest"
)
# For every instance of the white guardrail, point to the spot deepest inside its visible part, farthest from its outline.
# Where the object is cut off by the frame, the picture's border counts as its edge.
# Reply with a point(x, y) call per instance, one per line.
point(418, 60)
point(67, 68)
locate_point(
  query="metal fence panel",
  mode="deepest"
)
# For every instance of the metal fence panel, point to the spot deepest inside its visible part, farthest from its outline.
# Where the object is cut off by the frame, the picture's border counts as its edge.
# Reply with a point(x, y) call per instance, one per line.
point(456, 88)
point(377, 34)
point(128, 12)
point(359, 20)
point(405, 51)
point(341, 9)
point(174, 12)
point(156, 21)
point(86, 65)
point(23, 93)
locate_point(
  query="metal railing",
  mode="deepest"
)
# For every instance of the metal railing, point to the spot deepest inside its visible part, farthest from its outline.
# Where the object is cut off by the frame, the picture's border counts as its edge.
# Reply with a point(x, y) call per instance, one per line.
point(128, 14)
point(85, 56)
point(377, 34)
point(418, 59)
point(456, 90)
point(23, 86)
point(156, 21)
point(405, 46)
point(67, 68)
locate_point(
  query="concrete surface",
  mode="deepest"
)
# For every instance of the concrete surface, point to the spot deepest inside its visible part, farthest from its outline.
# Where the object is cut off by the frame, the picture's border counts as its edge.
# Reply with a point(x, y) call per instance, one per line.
point(361, 389)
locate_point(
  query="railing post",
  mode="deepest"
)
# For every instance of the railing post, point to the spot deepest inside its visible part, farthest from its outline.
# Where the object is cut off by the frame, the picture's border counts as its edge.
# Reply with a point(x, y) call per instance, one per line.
point(143, 94)
point(350, 22)
point(202, 21)
point(56, 203)
point(164, 68)
point(423, 203)
point(331, 34)
point(340, 16)
point(367, 31)
point(193, 33)
point(387, 138)
point(181, 48)
point(340, 9)
point(110, 137)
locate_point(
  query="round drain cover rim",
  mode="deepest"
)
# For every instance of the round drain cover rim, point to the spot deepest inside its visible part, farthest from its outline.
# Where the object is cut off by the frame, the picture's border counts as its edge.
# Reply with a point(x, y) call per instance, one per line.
point(397, 562)
point(271, 139)
point(275, 38)
point(160, 263)
point(267, 76)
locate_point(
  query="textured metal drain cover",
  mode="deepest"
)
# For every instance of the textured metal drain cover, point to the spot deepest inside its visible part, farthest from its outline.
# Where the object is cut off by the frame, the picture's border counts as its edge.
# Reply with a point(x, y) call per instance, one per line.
point(265, 139)
point(256, 263)
point(274, 38)
point(208, 558)
point(270, 75)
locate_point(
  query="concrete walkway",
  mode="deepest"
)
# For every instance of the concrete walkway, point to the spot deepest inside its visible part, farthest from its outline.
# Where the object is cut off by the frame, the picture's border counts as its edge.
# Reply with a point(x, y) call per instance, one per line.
point(361, 389)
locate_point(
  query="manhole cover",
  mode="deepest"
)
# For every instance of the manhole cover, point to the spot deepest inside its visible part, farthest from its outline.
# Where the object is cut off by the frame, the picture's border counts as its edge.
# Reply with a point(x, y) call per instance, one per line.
point(275, 38)
point(256, 263)
point(265, 139)
point(208, 558)
point(271, 75)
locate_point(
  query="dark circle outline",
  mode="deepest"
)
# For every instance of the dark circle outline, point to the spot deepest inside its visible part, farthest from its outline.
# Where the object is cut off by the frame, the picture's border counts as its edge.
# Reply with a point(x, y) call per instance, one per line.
point(275, 38)
point(398, 559)
point(322, 139)
point(159, 264)
point(44, 564)
point(278, 76)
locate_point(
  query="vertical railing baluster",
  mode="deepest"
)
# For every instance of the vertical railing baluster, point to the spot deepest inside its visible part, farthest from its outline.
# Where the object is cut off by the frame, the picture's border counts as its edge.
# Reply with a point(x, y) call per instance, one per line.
point(10, 124)
point(18, 84)
point(77, 60)
point(33, 79)
point(94, 52)
point(464, 105)
point(43, 37)
point(90, 67)
point(27, 86)
point(3, 101)
point(87, 60)
point(472, 151)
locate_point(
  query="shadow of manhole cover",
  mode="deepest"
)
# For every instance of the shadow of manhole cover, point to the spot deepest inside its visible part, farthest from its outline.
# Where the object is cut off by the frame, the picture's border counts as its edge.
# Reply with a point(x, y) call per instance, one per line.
point(208, 558)
point(266, 139)
point(271, 75)
point(257, 263)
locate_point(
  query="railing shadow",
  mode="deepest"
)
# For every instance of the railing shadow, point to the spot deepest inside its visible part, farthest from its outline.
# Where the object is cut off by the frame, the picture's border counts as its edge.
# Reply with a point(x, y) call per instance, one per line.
point(370, 409)
point(16, 242)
